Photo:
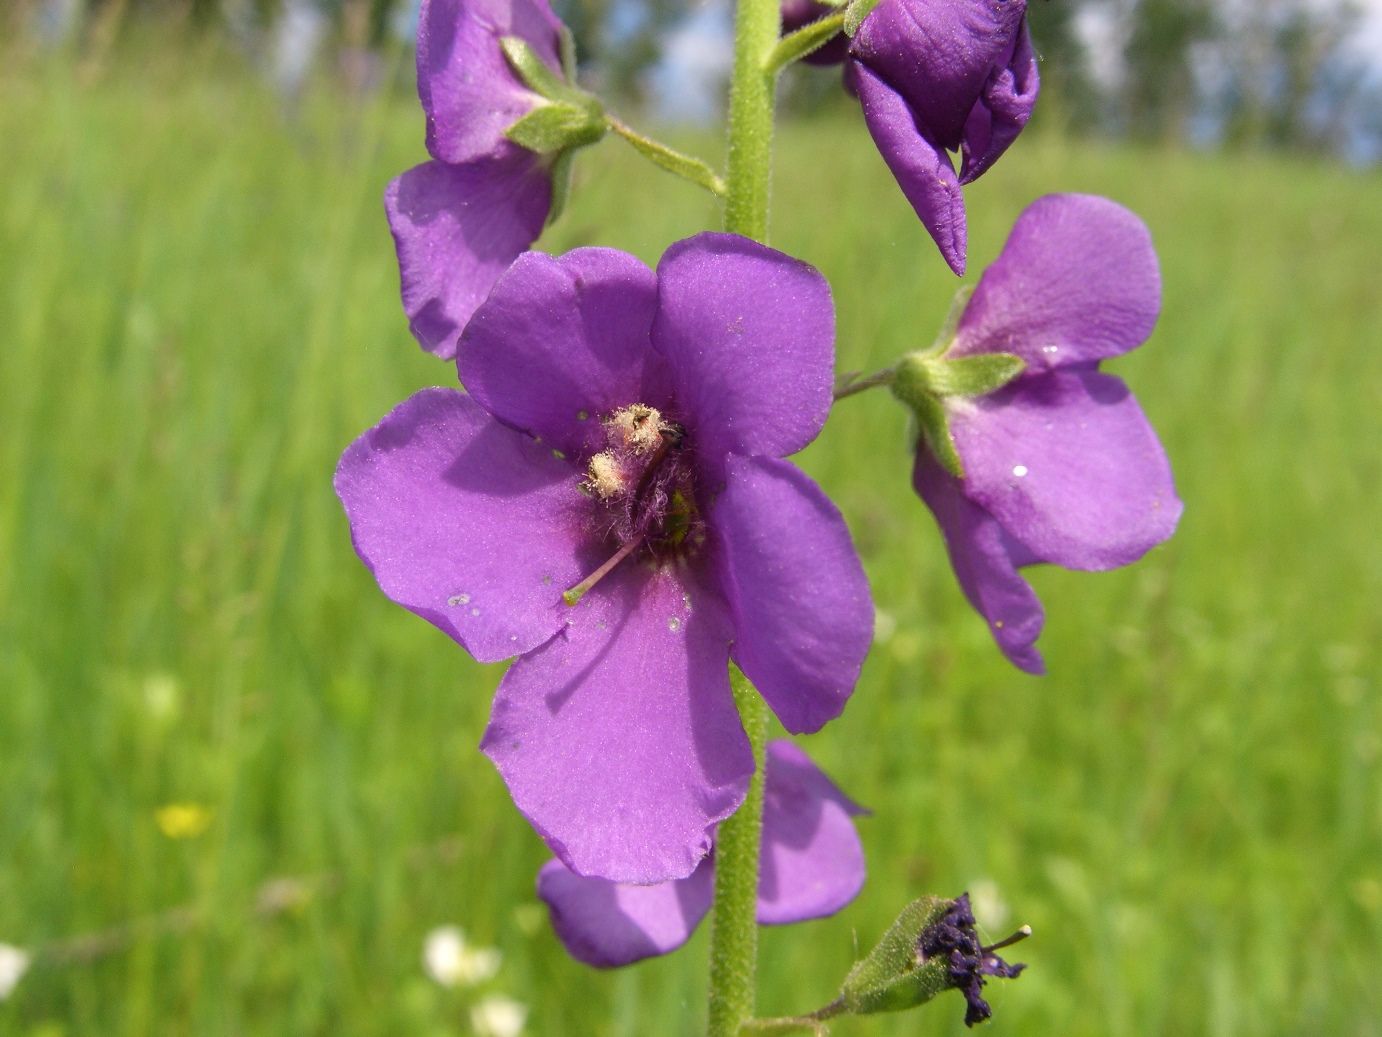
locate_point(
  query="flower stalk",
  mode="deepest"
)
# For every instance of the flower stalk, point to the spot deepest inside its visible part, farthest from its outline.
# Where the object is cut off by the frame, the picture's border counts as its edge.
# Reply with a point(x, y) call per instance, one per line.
point(734, 923)
point(756, 27)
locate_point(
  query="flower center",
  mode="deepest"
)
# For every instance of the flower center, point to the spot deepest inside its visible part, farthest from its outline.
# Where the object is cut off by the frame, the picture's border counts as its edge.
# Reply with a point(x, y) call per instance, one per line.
point(646, 481)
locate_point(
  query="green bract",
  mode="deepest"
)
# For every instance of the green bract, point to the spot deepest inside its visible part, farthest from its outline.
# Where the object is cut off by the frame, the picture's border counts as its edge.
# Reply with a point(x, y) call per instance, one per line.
point(893, 978)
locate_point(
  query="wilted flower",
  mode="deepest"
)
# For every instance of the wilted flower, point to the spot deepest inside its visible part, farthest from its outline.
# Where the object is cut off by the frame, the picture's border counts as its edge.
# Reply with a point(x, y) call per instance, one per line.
point(14, 962)
point(1058, 465)
point(954, 938)
point(182, 820)
point(461, 219)
point(936, 76)
point(608, 502)
point(498, 1016)
point(812, 865)
point(450, 960)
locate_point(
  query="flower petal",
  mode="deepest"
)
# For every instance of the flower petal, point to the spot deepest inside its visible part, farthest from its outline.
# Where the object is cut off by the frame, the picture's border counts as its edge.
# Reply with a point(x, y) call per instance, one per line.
point(456, 229)
point(1076, 282)
point(1067, 463)
point(749, 334)
point(619, 739)
point(469, 93)
point(938, 55)
point(922, 168)
point(803, 613)
point(812, 861)
point(985, 560)
point(560, 338)
point(467, 523)
point(605, 924)
point(1002, 109)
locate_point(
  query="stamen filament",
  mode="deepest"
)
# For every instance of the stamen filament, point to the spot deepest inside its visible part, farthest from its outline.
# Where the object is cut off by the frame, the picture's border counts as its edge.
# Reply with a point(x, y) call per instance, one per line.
point(1016, 937)
point(577, 592)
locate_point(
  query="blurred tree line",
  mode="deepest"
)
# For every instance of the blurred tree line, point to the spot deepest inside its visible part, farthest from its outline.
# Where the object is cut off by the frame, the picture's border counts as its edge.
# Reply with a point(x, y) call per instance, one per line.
point(1276, 72)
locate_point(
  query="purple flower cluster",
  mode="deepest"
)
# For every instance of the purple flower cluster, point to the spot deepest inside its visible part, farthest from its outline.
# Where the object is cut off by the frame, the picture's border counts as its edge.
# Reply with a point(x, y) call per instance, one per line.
point(608, 502)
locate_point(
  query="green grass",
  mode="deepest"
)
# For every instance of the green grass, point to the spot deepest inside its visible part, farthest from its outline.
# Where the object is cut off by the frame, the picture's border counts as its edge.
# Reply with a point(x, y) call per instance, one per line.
point(198, 311)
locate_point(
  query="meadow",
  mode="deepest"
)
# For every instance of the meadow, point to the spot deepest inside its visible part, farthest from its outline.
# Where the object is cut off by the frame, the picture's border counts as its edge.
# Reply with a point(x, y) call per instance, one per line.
point(199, 311)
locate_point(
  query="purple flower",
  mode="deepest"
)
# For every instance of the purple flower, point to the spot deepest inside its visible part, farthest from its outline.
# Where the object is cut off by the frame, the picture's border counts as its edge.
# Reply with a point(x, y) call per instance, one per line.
point(797, 14)
point(936, 76)
point(812, 865)
point(1059, 465)
point(620, 448)
point(461, 219)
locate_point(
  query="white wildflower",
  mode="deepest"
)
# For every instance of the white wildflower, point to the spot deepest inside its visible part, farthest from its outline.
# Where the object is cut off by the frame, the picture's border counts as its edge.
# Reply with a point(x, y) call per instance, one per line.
point(498, 1016)
point(13, 964)
point(451, 961)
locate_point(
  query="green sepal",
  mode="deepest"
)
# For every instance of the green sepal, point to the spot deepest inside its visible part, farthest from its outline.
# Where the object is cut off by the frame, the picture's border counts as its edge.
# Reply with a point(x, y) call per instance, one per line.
point(561, 185)
point(805, 41)
point(976, 375)
point(958, 305)
point(893, 977)
point(932, 425)
point(534, 72)
point(568, 54)
point(855, 14)
point(556, 127)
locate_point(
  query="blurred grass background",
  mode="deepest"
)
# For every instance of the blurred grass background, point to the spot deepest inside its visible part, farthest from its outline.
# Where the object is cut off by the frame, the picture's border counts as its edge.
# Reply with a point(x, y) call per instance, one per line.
point(198, 311)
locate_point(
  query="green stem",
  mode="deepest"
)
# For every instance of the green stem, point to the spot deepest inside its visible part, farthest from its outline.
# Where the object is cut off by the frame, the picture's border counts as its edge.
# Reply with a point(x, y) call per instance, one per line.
point(734, 923)
point(848, 385)
point(757, 24)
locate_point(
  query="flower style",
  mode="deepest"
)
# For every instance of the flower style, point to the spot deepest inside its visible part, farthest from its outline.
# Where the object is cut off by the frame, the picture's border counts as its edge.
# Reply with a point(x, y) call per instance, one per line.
point(1058, 465)
point(936, 76)
point(812, 866)
point(459, 220)
point(608, 502)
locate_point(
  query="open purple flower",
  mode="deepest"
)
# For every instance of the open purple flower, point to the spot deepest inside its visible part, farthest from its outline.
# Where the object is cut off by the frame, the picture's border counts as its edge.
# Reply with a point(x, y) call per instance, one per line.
point(812, 865)
point(459, 220)
point(1060, 464)
point(936, 76)
point(608, 503)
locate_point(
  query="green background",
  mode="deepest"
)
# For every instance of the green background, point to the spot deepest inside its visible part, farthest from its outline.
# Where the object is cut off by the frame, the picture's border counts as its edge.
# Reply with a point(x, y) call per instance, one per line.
point(198, 311)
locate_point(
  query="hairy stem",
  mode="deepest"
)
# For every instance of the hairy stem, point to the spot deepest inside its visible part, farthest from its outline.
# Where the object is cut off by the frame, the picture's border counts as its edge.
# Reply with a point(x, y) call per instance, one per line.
point(686, 166)
point(734, 923)
point(756, 28)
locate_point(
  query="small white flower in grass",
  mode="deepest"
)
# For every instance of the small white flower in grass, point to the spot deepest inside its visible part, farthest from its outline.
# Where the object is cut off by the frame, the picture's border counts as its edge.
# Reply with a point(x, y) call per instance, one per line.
point(13, 964)
point(498, 1016)
point(451, 961)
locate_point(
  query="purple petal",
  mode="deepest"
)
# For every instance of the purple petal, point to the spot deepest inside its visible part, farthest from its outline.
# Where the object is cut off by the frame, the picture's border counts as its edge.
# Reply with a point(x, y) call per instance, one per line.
point(749, 334)
point(1067, 463)
point(1076, 282)
point(922, 168)
point(939, 55)
point(1002, 109)
point(562, 338)
point(467, 523)
point(813, 862)
point(803, 613)
point(456, 229)
point(606, 925)
point(985, 560)
point(619, 739)
point(469, 93)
